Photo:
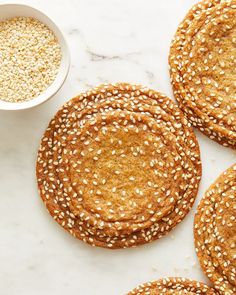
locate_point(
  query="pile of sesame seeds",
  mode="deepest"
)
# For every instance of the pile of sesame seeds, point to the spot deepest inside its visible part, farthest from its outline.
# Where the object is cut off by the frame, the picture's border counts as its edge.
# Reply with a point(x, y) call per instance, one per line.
point(203, 69)
point(173, 286)
point(30, 57)
point(119, 166)
point(215, 232)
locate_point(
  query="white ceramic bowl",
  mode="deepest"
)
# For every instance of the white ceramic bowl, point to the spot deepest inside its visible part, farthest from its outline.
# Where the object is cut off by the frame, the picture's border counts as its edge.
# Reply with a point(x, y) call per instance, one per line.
point(11, 10)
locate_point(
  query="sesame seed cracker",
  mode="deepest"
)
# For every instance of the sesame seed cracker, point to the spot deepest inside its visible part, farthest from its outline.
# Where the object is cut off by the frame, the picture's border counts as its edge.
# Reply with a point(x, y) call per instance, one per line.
point(173, 286)
point(121, 163)
point(215, 232)
point(203, 69)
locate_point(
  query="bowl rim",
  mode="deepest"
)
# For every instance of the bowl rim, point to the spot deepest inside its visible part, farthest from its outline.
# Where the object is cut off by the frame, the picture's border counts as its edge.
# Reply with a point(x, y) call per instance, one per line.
point(63, 68)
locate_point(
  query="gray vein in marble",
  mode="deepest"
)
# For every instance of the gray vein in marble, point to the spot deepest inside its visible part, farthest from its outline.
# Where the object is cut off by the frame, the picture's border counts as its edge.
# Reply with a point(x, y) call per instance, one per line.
point(98, 57)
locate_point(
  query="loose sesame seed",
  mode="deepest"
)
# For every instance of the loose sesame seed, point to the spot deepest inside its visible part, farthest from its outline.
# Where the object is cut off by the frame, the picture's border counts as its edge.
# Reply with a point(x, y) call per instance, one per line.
point(30, 58)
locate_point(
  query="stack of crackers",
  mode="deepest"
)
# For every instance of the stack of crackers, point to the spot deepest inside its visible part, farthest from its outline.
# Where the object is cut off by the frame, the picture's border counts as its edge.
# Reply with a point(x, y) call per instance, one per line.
point(119, 166)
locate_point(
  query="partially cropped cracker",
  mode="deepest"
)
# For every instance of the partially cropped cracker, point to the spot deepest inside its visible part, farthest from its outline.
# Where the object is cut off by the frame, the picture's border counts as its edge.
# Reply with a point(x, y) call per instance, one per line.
point(177, 286)
point(203, 69)
point(215, 232)
point(153, 184)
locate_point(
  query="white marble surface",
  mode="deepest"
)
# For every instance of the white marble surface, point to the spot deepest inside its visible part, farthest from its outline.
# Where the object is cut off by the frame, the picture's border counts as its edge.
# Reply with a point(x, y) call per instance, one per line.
point(110, 40)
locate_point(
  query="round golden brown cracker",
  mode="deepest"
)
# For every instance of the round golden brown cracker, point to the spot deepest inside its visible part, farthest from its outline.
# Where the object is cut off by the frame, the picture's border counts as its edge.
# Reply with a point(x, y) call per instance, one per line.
point(119, 166)
point(203, 69)
point(215, 232)
point(177, 286)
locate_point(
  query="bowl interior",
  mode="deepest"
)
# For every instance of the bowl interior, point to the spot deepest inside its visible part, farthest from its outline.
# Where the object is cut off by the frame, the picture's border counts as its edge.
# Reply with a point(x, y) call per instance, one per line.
point(12, 10)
